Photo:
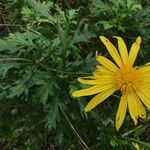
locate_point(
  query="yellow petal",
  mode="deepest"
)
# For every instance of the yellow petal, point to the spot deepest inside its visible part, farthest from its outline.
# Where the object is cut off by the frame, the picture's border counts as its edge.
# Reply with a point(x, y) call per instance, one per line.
point(136, 146)
point(94, 82)
point(121, 112)
point(145, 69)
point(146, 87)
point(132, 107)
point(148, 64)
point(98, 66)
point(146, 75)
point(122, 49)
point(104, 70)
point(87, 77)
point(145, 91)
point(145, 97)
point(92, 90)
point(134, 51)
point(112, 50)
point(89, 82)
point(146, 79)
point(99, 73)
point(140, 108)
point(99, 98)
point(107, 63)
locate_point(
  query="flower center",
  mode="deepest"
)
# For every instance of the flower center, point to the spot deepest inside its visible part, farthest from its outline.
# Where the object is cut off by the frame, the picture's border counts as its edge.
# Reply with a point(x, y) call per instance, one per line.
point(128, 79)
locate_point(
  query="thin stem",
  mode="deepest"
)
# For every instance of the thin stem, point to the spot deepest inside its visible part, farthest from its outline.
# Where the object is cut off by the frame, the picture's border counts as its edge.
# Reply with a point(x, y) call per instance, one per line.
point(131, 131)
point(116, 96)
point(3, 19)
point(42, 65)
point(9, 25)
point(6, 147)
point(59, 71)
point(74, 130)
point(14, 59)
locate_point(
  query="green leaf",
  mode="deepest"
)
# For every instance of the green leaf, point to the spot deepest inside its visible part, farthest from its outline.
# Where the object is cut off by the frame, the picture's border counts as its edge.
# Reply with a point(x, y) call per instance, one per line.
point(18, 41)
point(53, 113)
point(98, 6)
point(5, 67)
point(41, 8)
point(107, 25)
point(44, 91)
point(83, 36)
point(72, 13)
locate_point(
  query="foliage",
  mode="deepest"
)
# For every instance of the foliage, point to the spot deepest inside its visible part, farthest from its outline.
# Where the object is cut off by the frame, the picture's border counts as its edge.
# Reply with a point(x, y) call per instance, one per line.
point(47, 46)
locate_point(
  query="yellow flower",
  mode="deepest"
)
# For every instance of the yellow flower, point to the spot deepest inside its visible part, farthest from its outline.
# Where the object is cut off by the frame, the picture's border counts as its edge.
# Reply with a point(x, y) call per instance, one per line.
point(133, 82)
point(137, 147)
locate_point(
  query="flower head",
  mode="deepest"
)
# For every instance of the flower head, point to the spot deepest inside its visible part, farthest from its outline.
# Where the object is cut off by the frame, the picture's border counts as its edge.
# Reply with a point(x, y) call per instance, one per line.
point(133, 82)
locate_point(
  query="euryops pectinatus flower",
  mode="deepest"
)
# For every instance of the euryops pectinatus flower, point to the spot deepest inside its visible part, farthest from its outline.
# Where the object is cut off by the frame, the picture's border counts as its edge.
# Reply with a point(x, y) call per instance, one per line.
point(133, 82)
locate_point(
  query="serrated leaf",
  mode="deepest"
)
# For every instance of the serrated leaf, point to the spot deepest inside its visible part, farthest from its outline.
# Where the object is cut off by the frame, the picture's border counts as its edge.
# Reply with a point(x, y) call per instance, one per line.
point(44, 91)
point(17, 41)
point(4, 67)
point(83, 36)
point(53, 113)
point(71, 14)
point(41, 8)
point(107, 25)
point(98, 6)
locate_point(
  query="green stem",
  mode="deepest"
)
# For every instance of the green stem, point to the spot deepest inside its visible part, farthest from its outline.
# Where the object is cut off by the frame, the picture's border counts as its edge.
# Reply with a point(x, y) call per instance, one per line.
point(42, 65)
point(74, 130)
